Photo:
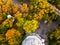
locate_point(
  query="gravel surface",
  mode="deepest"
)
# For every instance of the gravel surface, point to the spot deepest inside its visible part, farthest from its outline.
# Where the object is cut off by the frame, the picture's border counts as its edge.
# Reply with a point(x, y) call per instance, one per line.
point(15, 1)
point(44, 29)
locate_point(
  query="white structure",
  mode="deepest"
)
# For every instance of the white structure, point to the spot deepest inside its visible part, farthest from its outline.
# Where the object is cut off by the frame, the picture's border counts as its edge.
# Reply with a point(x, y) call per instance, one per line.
point(9, 16)
point(45, 21)
point(33, 39)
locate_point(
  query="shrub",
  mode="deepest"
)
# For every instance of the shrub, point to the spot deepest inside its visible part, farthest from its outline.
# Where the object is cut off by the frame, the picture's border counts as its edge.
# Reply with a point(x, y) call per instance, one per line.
point(54, 37)
point(30, 26)
point(13, 36)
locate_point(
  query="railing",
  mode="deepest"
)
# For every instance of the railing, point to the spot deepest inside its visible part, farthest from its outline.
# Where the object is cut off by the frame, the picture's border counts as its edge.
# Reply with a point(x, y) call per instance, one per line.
point(56, 10)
